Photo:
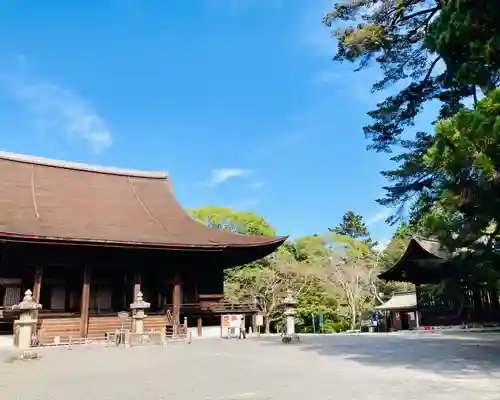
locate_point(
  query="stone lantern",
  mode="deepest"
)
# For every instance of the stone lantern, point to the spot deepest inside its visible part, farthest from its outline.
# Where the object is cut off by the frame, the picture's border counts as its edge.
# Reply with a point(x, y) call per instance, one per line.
point(25, 326)
point(290, 303)
point(138, 315)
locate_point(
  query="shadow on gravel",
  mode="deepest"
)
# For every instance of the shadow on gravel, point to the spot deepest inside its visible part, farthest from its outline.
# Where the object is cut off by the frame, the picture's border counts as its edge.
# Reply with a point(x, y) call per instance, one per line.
point(434, 354)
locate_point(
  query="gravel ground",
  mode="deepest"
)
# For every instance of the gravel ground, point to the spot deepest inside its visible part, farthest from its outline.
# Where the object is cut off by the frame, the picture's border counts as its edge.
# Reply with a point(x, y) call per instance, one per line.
point(339, 367)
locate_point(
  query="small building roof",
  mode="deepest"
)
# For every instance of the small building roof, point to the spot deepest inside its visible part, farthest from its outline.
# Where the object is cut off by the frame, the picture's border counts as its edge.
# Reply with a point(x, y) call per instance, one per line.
point(400, 301)
point(56, 201)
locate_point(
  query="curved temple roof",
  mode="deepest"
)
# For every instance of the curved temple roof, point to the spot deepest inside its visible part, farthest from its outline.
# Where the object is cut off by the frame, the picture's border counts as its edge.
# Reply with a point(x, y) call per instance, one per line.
point(50, 200)
point(409, 267)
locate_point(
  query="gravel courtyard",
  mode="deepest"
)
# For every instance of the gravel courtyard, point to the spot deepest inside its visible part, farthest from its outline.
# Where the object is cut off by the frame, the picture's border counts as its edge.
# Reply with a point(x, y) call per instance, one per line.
point(328, 367)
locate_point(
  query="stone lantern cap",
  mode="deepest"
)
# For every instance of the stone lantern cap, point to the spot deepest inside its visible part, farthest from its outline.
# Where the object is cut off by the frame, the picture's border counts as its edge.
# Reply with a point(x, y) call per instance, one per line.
point(290, 299)
point(139, 303)
point(28, 303)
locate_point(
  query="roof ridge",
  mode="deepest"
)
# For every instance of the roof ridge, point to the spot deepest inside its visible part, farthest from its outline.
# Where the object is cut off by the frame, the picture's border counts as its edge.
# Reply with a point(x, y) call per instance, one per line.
point(50, 162)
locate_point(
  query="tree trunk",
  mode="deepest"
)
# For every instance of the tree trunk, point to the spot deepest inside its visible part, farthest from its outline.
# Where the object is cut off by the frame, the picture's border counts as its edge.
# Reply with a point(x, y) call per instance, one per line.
point(354, 316)
point(268, 325)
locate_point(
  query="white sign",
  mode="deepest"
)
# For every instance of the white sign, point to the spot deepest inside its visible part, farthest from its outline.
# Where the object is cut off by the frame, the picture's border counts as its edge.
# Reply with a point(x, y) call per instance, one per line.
point(235, 320)
point(230, 325)
point(259, 320)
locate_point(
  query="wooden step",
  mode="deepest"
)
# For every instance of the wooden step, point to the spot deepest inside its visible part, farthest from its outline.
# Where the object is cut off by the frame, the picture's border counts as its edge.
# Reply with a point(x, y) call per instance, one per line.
point(100, 325)
point(155, 322)
point(64, 327)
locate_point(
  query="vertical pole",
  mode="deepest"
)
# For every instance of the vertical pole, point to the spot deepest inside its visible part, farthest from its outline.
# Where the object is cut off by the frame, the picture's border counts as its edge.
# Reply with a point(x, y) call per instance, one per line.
point(84, 309)
point(37, 287)
point(200, 326)
point(176, 299)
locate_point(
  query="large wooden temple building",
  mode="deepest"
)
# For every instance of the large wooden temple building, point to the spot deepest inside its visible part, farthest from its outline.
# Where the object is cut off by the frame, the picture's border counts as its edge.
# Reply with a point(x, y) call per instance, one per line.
point(86, 239)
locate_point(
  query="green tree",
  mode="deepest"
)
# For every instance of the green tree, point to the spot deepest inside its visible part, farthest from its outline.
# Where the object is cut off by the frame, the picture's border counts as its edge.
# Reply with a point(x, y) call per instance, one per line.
point(310, 253)
point(246, 223)
point(464, 196)
point(466, 36)
point(316, 299)
point(267, 286)
point(354, 226)
point(350, 269)
point(310, 250)
point(409, 40)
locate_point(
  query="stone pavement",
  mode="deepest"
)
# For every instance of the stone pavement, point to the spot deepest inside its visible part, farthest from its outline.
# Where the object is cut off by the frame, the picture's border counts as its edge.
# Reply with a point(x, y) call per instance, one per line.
point(320, 367)
point(6, 341)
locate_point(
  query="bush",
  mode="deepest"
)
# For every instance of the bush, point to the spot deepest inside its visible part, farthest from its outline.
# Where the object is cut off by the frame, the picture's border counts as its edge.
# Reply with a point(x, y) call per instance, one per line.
point(330, 325)
point(335, 326)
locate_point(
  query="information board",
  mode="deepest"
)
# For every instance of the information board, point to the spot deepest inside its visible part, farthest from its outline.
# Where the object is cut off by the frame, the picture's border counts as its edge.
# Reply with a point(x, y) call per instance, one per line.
point(230, 325)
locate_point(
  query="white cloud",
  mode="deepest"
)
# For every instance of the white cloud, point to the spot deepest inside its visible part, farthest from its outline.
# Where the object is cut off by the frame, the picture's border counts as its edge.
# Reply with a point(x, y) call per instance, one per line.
point(59, 110)
point(258, 185)
point(378, 217)
point(223, 174)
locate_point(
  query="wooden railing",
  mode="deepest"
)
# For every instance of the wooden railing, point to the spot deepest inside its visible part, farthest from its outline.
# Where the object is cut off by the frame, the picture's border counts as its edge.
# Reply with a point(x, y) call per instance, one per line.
point(227, 306)
point(215, 307)
point(6, 313)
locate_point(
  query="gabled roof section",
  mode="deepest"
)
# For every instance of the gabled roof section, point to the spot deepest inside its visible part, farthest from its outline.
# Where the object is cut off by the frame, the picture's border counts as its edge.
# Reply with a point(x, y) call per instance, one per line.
point(48, 162)
point(51, 200)
point(433, 247)
point(400, 301)
point(411, 266)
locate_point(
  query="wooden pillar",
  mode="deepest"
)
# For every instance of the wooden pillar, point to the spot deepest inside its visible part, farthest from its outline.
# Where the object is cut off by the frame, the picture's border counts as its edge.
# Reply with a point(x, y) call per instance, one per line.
point(84, 309)
point(200, 326)
point(176, 299)
point(37, 285)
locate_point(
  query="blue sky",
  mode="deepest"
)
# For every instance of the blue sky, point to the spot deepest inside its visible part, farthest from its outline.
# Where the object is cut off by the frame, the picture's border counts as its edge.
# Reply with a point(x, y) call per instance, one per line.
point(237, 99)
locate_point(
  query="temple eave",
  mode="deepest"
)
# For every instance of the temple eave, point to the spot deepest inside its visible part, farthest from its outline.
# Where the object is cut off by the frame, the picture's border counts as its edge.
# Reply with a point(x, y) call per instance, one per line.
point(215, 246)
point(260, 241)
point(411, 266)
point(236, 256)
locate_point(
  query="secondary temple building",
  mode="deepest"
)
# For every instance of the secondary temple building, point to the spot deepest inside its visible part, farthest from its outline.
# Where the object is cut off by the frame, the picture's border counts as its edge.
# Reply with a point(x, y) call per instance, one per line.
point(444, 294)
point(87, 239)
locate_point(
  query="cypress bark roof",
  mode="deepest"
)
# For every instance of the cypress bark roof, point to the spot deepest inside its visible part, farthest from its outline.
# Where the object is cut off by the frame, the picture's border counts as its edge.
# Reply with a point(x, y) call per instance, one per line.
point(419, 263)
point(51, 200)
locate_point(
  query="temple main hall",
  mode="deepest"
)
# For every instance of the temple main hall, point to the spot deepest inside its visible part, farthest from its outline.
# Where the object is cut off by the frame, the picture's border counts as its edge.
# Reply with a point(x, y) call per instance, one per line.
point(86, 239)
